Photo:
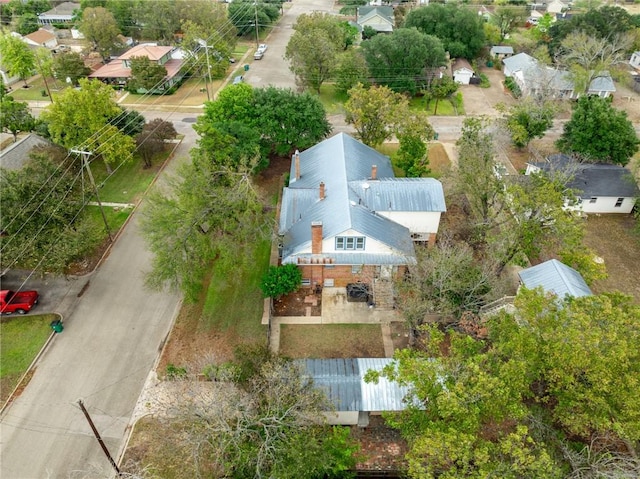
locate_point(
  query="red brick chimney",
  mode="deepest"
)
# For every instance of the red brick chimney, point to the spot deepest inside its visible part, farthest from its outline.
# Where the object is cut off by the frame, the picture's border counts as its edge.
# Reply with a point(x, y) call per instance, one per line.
point(374, 172)
point(316, 237)
point(322, 190)
point(297, 161)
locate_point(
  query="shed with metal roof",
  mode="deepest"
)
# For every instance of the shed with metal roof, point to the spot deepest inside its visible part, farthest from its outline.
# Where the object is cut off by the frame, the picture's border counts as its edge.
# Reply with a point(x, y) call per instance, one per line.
point(555, 277)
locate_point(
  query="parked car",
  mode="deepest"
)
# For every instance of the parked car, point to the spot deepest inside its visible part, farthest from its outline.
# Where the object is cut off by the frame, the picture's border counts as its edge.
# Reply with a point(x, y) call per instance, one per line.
point(258, 55)
point(262, 47)
point(238, 79)
point(19, 302)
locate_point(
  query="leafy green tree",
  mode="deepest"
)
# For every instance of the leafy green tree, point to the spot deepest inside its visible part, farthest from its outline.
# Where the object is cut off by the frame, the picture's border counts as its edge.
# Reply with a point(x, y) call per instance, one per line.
point(39, 225)
point(244, 13)
point(459, 28)
point(281, 280)
point(15, 117)
point(80, 119)
point(214, 53)
point(44, 66)
point(351, 69)
point(27, 23)
point(123, 14)
point(529, 119)
point(507, 17)
point(70, 65)
point(374, 112)
point(158, 20)
point(442, 89)
point(368, 32)
point(101, 29)
point(599, 132)
point(401, 59)
point(146, 74)
point(129, 122)
point(340, 32)
point(212, 214)
point(17, 57)
point(312, 56)
point(413, 133)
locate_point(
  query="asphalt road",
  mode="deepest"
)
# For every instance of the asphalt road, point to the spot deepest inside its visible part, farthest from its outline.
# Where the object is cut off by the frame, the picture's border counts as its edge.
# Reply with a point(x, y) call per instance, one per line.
point(110, 343)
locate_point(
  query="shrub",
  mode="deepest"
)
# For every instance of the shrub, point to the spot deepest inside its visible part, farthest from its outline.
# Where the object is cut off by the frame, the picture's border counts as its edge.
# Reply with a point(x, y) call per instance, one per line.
point(280, 280)
point(513, 87)
point(484, 81)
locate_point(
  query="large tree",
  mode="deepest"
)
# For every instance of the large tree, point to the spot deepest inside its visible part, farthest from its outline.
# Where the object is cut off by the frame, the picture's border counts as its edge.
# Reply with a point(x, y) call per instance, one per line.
point(403, 60)
point(17, 57)
point(146, 74)
point(158, 20)
point(375, 112)
point(16, 117)
point(508, 17)
point(351, 69)
point(529, 119)
point(100, 28)
point(459, 28)
point(598, 132)
point(81, 119)
point(152, 139)
point(69, 66)
point(244, 14)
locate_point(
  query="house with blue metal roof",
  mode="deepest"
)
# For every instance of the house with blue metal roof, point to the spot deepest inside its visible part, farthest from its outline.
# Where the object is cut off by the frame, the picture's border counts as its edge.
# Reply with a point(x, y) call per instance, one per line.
point(343, 382)
point(555, 277)
point(345, 217)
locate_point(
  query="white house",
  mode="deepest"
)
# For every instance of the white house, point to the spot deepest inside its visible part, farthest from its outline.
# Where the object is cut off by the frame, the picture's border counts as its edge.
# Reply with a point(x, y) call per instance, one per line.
point(63, 13)
point(41, 38)
point(555, 277)
point(556, 6)
point(600, 187)
point(501, 51)
point(381, 19)
point(462, 71)
point(353, 398)
point(634, 61)
point(345, 217)
point(534, 78)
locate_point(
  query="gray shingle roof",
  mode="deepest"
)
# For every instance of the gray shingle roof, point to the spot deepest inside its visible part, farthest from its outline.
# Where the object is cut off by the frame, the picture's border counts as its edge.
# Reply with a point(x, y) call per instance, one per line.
point(555, 277)
point(501, 50)
point(343, 382)
point(594, 179)
point(351, 201)
point(16, 155)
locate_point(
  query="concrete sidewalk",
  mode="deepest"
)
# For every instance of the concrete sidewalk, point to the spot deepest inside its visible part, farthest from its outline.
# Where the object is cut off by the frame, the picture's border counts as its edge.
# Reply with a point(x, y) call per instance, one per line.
point(337, 310)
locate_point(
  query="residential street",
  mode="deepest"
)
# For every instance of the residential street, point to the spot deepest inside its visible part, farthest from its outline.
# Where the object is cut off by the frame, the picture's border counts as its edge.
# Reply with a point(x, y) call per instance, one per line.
point(103, 356)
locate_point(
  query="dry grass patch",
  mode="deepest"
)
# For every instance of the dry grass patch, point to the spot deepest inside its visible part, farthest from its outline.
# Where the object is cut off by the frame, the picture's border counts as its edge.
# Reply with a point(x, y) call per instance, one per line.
point(612, 238)
point(438, 159)
point(331, 341)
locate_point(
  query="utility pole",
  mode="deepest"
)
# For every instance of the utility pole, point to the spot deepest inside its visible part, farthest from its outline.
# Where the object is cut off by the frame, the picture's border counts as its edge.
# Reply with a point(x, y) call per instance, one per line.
point(97, 435)
point(255, 9)
point(85, 160)
point(208, 77)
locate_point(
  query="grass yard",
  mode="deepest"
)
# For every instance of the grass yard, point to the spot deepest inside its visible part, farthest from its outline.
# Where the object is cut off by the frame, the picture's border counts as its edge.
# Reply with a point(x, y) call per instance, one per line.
point(229, 314)
point(613, 239)
point(21, 338)
point(445, 107)
point(331, 341)
point(36, 87)
point(191, 93)
point(129, 182)
point(332, 100)
point(439, 162)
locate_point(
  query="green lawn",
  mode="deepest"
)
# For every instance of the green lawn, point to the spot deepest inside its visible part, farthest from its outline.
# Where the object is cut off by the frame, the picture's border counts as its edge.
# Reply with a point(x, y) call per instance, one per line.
point(129, 181)
point(332, 100)
point(234, 299)
point(36, 87)
point(445, 107)
point(21, 337)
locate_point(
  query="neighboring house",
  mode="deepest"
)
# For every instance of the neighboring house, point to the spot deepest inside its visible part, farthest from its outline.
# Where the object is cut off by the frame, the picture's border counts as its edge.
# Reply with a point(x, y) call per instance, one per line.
point(535, 16)
point(118, 71)
point(345, 217)
point(601, 187)
point(7, 78)
point(16, 155)
point(555, 277)
point(41, 38)
point(534, 78)
point(462, 71)
point(556, 6)
point(500, 52)
point(354, 399)
point(63, 13)
point(634, 61)
point(381, 19)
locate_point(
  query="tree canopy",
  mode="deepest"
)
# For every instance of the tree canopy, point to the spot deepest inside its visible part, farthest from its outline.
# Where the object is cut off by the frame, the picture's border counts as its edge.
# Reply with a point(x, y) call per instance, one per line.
point(17, 57)
point(598, 132)
point(69, 65)
point(100, 27)
point(403, 60)
point(459, 28)
point(244, 14)
point(146, 74)
point(16, 116)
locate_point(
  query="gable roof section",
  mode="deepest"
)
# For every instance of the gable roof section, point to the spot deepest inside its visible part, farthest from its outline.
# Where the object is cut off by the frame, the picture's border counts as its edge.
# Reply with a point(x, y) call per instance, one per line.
point(151, 51)
point(65, 8)
point(343, 382)
point(520, 62)
point(461, 64)
point(16, 155)
point(399, 194)
point(594, 179)
point(40, 36)
point(384, 12)
point(501, 50)
point(555, 277)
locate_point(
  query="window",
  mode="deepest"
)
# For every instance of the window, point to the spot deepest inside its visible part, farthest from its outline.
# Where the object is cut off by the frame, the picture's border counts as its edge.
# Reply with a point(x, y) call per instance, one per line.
point(356, 269)
point(350, 242)
point(619, 202)
point(593, 199)
point(306, 282)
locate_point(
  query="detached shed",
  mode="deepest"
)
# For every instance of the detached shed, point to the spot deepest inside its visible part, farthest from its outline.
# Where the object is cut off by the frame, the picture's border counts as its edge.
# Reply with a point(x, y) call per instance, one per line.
point(555, 277)
point(501, 51)
point(462, 71)
point(354, 399)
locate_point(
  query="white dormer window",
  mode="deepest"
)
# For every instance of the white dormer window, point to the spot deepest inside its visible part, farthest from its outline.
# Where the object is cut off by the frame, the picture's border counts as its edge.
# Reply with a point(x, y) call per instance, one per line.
point(350, 242)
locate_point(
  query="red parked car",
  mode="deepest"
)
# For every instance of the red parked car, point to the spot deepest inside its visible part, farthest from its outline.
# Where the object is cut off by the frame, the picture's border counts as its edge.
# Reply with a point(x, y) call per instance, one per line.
point(19, 302)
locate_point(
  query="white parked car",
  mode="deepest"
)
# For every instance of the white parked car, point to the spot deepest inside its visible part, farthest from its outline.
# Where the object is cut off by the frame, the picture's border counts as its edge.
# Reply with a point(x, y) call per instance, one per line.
point(258, 55)
point(262, 47)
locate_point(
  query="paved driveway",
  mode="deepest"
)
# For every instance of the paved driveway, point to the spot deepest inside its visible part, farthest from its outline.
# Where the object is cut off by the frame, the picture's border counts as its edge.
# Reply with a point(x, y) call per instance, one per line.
point(482, 101)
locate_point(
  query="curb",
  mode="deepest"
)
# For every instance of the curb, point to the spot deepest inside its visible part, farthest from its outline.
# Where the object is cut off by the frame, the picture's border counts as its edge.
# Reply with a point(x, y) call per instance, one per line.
point(49, 340)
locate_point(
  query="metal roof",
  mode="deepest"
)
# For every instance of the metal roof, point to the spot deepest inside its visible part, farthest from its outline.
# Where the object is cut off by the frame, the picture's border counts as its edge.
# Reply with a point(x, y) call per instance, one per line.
point(343, 382)
point(555, 277)
point(344, 165)
point(593, 179)
point(501, 50)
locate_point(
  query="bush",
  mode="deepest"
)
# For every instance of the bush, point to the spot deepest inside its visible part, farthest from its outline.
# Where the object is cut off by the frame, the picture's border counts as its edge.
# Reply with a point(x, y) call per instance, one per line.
point(484, 81)
point(513, 87)
point(280, 280)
